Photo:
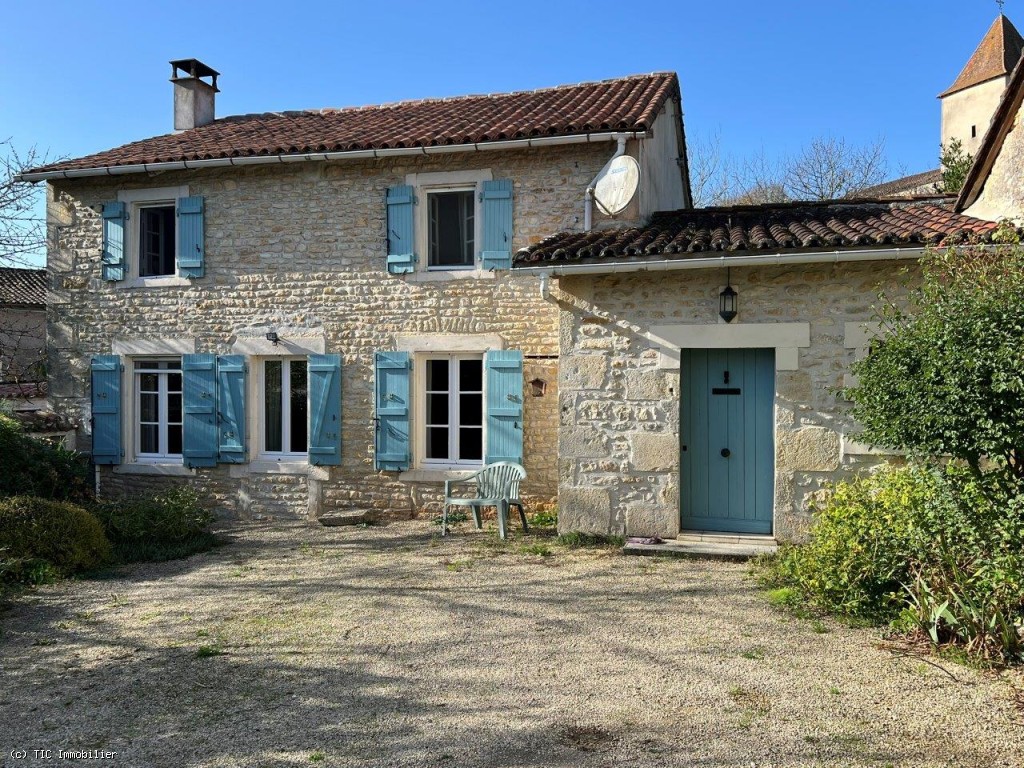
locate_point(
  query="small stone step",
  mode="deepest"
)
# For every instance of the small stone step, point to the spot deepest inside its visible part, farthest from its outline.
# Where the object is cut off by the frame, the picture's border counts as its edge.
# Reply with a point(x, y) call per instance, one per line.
point(348, 517)
point(706, 549)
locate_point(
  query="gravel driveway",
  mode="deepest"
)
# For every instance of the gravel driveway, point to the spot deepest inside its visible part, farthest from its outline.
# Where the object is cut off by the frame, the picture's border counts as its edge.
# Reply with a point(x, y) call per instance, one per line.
point(388, 646)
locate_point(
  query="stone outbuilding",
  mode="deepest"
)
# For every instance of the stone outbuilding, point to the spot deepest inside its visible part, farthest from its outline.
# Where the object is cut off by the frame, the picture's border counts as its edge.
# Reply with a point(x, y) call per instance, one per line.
point(703, 357)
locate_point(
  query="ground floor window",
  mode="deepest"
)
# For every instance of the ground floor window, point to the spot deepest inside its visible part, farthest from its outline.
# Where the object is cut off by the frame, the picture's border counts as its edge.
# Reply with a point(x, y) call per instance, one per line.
point(285, 393)
point(157, 389)
point(453, 409)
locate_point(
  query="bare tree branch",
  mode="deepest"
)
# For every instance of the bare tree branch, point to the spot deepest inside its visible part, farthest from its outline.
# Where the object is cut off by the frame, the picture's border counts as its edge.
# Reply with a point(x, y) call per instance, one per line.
point(830, 168)
point(826, 169)
point(22, 229)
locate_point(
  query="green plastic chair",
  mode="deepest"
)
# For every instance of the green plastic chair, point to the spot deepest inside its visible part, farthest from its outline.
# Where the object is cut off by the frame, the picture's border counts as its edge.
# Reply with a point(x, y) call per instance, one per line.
point(497, 485)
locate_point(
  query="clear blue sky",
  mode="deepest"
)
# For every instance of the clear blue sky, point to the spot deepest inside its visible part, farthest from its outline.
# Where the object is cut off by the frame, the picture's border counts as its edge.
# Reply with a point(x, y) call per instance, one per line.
point(78, 77)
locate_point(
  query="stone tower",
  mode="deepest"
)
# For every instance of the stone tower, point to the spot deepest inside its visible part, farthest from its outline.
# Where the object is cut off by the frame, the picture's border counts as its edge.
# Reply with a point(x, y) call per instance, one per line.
point(969, 103)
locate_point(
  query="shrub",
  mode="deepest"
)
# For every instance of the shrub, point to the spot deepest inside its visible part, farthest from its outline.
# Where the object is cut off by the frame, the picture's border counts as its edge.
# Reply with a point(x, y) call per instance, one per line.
point(168, 525)
point(857, 558)
point(42, 538)
point(945, 378)
point(933, 548)
point(33, 468)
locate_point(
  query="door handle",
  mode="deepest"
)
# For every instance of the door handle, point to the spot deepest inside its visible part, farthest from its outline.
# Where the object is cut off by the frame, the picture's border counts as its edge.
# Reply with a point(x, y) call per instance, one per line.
point(684, 447)
point(726, 453)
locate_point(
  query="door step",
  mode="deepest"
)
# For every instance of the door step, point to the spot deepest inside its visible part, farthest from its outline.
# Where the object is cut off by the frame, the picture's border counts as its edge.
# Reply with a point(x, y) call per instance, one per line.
point(723, 546)
point(348, 517)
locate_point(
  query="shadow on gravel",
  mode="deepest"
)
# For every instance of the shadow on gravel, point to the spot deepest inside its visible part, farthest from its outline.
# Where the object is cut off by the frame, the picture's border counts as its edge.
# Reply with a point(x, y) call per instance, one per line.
point(265, 656)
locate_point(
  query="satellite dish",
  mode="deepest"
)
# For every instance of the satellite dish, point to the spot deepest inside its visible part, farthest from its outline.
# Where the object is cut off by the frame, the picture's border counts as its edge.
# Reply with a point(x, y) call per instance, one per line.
point(616, 184)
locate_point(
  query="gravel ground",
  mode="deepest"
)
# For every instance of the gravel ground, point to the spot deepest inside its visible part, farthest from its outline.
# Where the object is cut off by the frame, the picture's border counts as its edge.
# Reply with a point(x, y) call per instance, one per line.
point(388, 646)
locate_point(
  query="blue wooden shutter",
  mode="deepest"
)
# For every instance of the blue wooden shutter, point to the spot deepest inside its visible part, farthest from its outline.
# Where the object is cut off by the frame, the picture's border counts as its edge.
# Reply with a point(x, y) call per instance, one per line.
point(504, 370)
point(496, 198)
point(392, 411)
point(231, 409)
point(191, 248)
point(114, 216)
point(106, 409)
point(199, 423)
point(401, 249)
point(325, 409)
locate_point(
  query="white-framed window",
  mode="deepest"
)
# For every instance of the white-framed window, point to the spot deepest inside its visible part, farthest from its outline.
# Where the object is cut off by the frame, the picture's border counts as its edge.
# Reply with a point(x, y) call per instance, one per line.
point(448, 221)
point(451, 414)
point(151, 235)
point(157, 409)
point(451, 228)
point(283, 384)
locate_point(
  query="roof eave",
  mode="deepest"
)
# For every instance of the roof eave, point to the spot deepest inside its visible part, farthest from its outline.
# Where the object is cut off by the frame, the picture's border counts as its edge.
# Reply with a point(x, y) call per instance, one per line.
point(359, 154)
point(778, 258)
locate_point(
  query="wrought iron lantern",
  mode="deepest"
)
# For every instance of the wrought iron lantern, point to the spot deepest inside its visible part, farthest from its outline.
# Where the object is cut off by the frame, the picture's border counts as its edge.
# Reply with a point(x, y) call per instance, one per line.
point(728, 302)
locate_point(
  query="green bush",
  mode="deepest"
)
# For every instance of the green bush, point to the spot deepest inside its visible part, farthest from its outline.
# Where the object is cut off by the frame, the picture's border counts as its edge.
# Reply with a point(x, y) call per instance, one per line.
point(944, 378)
point(938, 549)
point(41, 539)
point(33, 468)
point(162, 527)
point(856, 561)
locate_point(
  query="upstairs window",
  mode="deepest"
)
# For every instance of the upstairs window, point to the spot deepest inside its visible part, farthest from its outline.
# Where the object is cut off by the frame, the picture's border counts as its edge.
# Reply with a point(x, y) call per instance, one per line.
point(156, 240)
point(451, 224)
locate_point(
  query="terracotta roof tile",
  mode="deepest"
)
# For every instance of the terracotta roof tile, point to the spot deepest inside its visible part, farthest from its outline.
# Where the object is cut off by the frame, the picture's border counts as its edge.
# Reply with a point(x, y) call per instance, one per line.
point(996, 55)
point(22, 286)
point(625, 104)
point(829, 225)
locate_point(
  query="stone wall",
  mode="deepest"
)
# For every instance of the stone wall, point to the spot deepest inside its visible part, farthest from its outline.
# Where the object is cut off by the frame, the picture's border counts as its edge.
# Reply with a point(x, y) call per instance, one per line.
point(301, 248)
point(619, 390)
point(1003, 194)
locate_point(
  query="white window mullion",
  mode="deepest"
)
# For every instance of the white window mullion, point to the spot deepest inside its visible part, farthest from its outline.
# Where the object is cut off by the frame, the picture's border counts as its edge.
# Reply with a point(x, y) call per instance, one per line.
point(162, 413)
point(453, 408)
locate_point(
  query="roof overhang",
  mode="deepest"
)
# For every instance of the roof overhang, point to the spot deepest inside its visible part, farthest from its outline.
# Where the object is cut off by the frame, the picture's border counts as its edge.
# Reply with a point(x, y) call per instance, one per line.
point(360, 154)
point(724, 260)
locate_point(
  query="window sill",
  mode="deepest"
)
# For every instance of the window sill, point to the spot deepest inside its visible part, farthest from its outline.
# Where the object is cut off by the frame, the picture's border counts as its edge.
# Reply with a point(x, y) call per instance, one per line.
point(271, 467)
point(171, 281)
point(444, 275)
point(146, 468)
point(436, 475)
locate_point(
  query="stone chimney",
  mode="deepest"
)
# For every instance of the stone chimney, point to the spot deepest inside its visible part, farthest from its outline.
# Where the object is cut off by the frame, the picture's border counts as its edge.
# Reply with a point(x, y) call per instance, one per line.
point(193, 96)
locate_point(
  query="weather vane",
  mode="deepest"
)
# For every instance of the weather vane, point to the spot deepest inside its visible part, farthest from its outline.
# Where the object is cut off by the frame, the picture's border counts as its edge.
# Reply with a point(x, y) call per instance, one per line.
point(1000, 3)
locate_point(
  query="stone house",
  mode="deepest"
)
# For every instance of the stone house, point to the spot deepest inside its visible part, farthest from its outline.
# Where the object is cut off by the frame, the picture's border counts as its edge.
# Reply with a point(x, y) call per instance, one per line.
point(702, 357)
point(309, 311)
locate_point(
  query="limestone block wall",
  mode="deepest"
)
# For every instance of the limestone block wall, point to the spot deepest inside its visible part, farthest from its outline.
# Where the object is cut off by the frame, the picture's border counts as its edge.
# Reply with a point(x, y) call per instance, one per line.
point(300, 248)
point(620, 394)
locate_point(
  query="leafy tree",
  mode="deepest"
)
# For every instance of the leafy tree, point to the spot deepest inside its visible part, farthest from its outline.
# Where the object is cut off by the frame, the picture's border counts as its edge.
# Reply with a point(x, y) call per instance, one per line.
point(946, 377)
point(955, 164)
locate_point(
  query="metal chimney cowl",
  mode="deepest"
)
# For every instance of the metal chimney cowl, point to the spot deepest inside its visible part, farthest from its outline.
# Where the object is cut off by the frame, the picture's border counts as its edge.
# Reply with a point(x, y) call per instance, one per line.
point(194, 97)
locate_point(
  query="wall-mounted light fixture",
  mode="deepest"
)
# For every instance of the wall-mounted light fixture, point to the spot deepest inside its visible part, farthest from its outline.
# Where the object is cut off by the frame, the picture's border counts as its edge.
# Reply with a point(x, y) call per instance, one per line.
point(273, 338)
point(728, 301)
point(538, 387)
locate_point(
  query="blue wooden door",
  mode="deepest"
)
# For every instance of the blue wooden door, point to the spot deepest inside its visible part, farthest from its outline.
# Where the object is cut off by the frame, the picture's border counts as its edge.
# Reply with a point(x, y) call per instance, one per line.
point(727, 445)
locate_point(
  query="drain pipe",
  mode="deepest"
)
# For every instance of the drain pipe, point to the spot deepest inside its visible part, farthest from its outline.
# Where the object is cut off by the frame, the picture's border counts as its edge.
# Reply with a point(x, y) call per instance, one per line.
point(588, 198)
